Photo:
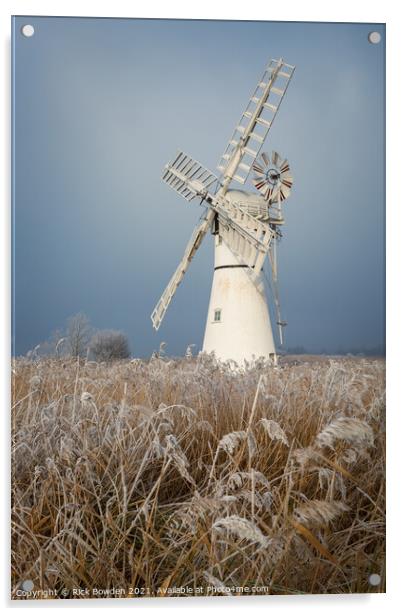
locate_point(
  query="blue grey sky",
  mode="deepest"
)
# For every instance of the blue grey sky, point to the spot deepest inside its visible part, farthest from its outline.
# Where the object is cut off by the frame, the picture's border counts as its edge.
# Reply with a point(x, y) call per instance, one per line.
point(100, 105)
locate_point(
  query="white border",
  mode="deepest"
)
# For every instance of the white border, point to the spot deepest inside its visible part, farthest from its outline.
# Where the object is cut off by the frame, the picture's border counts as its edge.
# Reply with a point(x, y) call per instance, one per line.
point(291, 10)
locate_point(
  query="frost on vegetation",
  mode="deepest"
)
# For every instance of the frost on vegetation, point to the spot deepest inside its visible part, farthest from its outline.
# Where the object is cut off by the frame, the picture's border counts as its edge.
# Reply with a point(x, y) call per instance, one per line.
point(169, 448)
point(204, 425)
point(330, 480)
point(274, 431)
point(250, 487)
point(199, 510)
point(184, 411)
point(251, 444)
point(304, 455)
point(189, 351)
point(35, 381)
point(231, 441)
point(143, 411)
point(240, 478)
point(217, 583)
point(86, 397)
point(317, 513)
point(241, 528)
point(349, 456)
point(349, 429)
point(175, 453)
point(262, 501)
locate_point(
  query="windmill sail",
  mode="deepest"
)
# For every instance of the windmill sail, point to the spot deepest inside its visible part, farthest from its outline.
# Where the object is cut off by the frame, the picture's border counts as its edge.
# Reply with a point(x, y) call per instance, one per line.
point(196, 238)
point(188, 177)
point(255, 122)
point(246, 236)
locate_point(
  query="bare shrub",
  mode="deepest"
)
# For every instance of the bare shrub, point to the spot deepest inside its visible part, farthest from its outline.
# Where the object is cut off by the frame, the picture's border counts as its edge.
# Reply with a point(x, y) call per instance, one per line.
point(78, 334)
point(108, 345)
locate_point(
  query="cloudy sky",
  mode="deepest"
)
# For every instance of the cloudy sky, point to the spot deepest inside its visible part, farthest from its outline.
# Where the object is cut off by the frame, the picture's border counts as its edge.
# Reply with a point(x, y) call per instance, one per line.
point(100, 105)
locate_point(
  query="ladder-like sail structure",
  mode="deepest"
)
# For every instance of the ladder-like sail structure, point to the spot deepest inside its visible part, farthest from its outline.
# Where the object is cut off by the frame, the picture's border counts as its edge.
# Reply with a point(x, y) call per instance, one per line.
point(255, 122)
point(196, 238)
point(188, 177)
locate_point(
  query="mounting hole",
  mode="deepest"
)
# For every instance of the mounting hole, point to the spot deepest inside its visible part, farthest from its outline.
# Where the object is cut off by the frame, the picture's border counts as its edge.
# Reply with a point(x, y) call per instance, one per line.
point(27, 585)
point(28, 30)
point(374, 37)
point(374, 579)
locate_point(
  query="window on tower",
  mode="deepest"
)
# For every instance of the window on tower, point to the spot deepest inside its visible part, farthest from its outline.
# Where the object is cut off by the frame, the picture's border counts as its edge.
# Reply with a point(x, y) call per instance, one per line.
point(217, 315)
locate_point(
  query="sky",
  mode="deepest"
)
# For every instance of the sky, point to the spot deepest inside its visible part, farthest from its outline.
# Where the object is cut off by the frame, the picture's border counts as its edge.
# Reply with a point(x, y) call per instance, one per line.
point(101, 105)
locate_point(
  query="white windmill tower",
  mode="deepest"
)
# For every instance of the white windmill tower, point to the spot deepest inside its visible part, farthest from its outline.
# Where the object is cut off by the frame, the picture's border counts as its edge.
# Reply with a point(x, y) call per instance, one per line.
point(246, 226)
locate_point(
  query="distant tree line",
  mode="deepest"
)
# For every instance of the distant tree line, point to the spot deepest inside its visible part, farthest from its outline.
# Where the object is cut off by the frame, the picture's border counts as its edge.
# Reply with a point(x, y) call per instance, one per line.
point(377, 351)
point(79, 339)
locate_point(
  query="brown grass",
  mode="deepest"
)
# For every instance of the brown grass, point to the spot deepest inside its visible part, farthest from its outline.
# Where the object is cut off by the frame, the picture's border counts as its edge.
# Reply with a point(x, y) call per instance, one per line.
point(157, 475)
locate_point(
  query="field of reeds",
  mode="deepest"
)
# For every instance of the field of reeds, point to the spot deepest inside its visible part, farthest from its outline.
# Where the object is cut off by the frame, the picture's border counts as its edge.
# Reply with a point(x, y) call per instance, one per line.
point(177, 477)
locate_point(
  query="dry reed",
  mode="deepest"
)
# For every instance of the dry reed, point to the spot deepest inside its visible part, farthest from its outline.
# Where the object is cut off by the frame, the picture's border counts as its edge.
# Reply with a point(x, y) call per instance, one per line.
point(160, 474)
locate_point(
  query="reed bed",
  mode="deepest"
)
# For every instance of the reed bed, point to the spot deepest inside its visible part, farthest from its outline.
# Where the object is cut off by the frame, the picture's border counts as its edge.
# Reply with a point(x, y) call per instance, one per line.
point(156, 476)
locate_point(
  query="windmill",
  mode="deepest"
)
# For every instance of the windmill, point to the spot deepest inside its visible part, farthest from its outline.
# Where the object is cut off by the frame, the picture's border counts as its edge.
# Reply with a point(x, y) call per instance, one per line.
point(246, 226)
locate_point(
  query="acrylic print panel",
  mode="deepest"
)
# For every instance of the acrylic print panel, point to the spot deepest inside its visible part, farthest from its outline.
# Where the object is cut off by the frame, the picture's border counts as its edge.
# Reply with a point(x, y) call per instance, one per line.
point(232, 444)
